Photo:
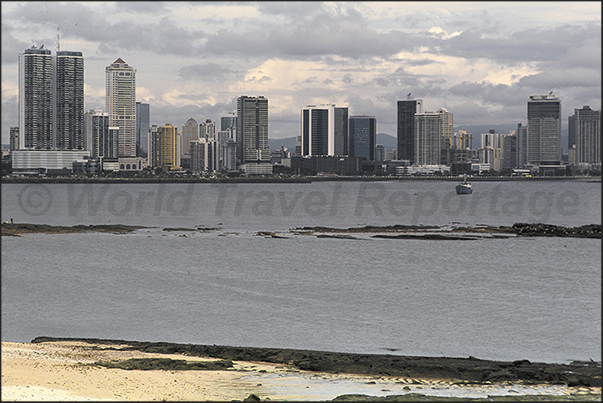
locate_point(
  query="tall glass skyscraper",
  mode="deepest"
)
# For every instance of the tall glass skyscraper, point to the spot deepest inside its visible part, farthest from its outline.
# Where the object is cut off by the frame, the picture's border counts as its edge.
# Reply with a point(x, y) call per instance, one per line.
point(363, 137)
point(324, 130)
point(36, 91)
point(69, 107)
point(544, 130)
point(121, 104)
point(586, 126)
point(252, 134)
point(143, 125)
point(406, 127)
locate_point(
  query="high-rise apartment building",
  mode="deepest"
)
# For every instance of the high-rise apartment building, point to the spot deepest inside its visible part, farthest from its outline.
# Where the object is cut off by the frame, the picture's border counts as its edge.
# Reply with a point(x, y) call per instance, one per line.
point(324, 130)
point(36, 93)
point(69, 97)
point(428, 138)
point(190, 132)
point(143, 125)
point(585, 123)
point(121, 104)
point(544, 130)
point(101, 138)
point(168, 153)
point(14, 138)
point(363, 137)
point(522, 145)
point(207, 130)
point(228, 123)
point(406, 127)
point(252, 135)
point(204, 155)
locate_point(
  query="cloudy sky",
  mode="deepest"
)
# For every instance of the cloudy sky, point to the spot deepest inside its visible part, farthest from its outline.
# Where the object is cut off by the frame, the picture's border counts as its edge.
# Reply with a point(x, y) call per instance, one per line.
point(479, 60)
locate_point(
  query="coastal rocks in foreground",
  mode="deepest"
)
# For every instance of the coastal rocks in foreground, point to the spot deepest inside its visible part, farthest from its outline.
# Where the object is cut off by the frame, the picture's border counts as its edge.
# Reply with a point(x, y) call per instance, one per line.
point(470, 369)
point(19, 229)
point(428, 232)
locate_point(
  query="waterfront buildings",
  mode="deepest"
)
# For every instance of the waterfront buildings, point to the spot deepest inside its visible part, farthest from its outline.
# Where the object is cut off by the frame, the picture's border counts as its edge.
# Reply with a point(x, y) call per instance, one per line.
point(406, 127)
point(190, 132)
point(380, 152)
point(101, 138)
point(143, 124)
point(522, 145)
point(14, 138)
point(36, 92)
point(168, 153)
point(428, 138)
point(207, 130)
point(584, 131)
point(544, 130)
point(362, 136)
point(121, 104)
point(204, 154)
point(252, 135)
point(324, 130)
point(69, 101)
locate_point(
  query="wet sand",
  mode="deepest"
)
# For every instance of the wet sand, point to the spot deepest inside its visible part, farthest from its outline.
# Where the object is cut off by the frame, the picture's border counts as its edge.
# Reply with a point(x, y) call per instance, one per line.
point(68, 370)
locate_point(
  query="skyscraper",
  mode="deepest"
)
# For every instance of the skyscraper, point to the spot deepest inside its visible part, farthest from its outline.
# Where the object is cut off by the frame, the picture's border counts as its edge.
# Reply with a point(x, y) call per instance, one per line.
point(544, 130)
point(168, 155)
point(363, 137)
point(143, 125)
point(428, 138)
point(14, 138)
point(324, 130)
point(69, 106)
point(522, 145)
point(207, 130)
point(406, 127)
point(228, 123)
point(586, 124)
point(190, 132)
point(252, 134)
point(101, 139)
point(121, 104)
point(36, 91)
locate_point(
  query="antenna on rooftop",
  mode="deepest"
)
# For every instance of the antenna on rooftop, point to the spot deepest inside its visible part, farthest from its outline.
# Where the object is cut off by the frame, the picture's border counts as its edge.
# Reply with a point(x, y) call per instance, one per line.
point(58, 39)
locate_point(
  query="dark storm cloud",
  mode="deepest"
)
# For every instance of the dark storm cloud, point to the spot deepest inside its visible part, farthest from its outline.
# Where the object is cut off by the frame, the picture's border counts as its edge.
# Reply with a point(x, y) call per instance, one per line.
point(522, 45)
point(79, 21)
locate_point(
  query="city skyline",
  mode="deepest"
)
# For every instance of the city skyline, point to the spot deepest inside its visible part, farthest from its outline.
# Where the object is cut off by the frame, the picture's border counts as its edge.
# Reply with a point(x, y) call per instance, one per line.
point(481, 61)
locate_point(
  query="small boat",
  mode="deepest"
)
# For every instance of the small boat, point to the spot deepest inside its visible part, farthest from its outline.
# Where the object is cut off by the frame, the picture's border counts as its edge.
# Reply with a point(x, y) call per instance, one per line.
point(464, 188)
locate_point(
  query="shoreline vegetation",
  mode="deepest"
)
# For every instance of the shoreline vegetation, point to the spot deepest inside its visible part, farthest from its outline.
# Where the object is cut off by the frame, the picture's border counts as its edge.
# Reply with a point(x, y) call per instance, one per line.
point(385, 232)
point(287, 179)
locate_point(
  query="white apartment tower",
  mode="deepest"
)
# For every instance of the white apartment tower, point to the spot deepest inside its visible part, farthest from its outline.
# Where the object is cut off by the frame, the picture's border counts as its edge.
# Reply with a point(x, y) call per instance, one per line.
point(121, 104)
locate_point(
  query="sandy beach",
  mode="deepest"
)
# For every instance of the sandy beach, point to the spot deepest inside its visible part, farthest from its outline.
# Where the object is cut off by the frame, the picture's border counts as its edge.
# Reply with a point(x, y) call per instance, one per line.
point(66, 370)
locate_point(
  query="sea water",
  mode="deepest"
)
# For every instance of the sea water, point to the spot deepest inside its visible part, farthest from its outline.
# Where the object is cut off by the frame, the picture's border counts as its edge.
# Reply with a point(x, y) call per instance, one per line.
point(505, 299)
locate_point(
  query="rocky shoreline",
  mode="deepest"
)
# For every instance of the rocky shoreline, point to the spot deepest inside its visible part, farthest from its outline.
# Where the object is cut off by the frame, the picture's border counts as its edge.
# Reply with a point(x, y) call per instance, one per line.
point(396, 231)
point(471, 370)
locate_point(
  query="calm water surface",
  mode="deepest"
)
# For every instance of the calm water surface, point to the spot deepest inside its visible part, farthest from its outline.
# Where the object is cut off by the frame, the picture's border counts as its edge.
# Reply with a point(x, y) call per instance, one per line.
point(528, 298)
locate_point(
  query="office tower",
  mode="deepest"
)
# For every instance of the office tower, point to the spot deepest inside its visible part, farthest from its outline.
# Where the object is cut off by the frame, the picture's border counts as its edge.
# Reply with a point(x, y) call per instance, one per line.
point(428, 138)
point(207, 130)
point(228, 122)
point(121, 104)
point(168, 153)
point(522, 145)
point(363, 137)
point(69, 106)
point(143, 124)
point(190, 132)
point(101, 139)
point(14, 138)
point(36, 89)
point(324, 130)
point(586, 125)
point(447, 129)
point(252, 135)
point(544, 130)
point(204, 155)
point(152, 147)
point(509, 153)
point(380, 152)
point(406, 127)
